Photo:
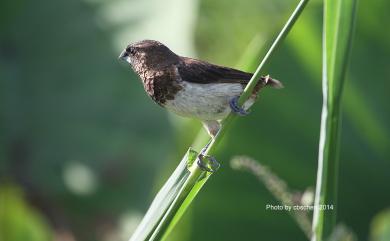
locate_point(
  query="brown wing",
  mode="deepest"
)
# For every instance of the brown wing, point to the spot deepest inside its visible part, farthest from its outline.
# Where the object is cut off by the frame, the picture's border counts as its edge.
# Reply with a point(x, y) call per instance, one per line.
point(201, 72)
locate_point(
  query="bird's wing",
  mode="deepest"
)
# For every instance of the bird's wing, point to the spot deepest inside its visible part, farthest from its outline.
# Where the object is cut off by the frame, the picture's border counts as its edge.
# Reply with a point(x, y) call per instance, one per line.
point(201, 72)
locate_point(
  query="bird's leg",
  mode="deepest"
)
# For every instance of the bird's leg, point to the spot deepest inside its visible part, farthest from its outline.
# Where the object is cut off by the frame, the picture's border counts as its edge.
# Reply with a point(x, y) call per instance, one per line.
point(206, 162)
point(236, 108)
point(212, 127)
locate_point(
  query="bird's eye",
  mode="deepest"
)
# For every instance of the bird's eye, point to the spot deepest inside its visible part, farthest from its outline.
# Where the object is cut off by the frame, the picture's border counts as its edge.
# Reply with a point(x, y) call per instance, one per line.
point(130, 50)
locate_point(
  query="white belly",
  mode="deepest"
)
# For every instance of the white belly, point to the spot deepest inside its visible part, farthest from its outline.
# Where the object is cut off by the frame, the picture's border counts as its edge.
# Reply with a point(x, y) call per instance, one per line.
point(205, 101)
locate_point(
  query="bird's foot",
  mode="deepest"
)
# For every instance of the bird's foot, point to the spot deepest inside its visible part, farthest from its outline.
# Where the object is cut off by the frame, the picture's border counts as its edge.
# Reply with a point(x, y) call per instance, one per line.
point(208, 163)
point(236, 108)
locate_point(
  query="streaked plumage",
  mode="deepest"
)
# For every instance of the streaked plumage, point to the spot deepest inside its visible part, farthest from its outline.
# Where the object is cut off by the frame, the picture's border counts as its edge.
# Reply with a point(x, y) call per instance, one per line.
point(189, 87)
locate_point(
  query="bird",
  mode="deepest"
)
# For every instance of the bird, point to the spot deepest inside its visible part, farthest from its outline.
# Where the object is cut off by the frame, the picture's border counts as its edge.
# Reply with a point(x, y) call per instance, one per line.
point(190, 87)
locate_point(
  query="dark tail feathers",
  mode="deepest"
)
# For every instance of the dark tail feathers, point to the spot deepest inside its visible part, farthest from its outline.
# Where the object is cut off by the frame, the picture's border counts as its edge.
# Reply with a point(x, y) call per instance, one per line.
point(267, 80)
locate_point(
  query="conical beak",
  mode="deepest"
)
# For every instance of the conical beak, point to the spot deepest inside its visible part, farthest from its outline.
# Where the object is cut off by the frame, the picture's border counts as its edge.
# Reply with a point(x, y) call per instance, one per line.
point(123, 55)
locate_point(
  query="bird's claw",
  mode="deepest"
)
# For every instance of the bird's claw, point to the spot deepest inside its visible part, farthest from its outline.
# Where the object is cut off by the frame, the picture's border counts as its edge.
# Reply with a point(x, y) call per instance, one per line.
point(208, 163)
point(236, 108)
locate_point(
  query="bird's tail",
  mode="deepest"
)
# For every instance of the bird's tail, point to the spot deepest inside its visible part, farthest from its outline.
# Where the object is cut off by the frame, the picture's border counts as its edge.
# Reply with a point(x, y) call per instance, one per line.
point(268, 81)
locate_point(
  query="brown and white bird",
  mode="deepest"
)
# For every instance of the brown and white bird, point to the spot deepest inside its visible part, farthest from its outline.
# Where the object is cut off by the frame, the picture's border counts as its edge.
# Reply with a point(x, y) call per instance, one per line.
point(190, 87)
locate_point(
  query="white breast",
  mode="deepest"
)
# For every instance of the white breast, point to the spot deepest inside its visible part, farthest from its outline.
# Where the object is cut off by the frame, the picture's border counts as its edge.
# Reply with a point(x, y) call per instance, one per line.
point(205, 101)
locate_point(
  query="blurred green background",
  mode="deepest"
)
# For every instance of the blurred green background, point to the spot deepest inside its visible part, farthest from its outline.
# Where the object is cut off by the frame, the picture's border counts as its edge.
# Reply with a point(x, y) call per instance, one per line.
point(84, 150)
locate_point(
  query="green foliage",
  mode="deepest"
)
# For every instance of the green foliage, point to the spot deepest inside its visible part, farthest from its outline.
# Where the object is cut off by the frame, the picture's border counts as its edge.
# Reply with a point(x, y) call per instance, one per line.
point(18, 220)
point(171, 201)
point(65, 98)
point(338, 27)
point(282, 131)
point(380, 226)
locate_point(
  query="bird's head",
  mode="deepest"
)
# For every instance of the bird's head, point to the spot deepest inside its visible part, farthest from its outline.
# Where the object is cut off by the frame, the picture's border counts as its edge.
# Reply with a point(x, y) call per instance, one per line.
point(148, 55)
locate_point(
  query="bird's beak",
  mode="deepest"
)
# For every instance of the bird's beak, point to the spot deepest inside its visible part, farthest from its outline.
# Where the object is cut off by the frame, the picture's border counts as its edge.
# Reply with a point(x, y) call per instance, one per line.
point(123, 55)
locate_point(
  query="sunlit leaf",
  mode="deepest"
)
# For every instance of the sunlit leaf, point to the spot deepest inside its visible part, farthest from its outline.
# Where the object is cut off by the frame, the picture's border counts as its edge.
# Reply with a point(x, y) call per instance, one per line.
point(337, 32)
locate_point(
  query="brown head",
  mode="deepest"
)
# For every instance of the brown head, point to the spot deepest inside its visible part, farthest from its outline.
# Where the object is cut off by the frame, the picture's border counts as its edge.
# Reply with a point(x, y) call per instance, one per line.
point(148, 55)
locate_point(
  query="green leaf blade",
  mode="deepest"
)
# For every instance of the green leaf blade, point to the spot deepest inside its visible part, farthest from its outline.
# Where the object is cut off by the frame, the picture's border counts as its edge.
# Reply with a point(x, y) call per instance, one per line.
point(337, 35)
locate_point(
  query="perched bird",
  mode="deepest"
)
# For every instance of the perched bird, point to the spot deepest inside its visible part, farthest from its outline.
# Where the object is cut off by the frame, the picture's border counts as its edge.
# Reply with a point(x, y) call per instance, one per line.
point(190, 87)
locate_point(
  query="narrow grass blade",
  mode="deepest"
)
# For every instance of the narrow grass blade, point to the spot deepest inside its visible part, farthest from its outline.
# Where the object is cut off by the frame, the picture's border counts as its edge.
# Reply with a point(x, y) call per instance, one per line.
point(362, 116)
point(195, 181)
point(164, 199)
point(338, 26)
point(173, 198)
point(256, 76)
